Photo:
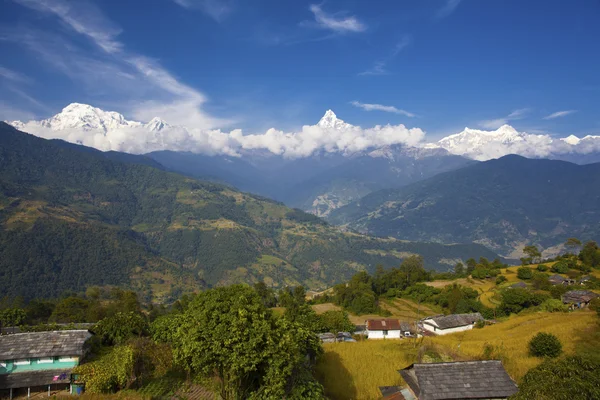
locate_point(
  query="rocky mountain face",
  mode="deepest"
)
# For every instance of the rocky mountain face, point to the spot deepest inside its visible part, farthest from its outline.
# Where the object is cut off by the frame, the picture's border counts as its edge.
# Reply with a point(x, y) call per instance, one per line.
point(504, 204)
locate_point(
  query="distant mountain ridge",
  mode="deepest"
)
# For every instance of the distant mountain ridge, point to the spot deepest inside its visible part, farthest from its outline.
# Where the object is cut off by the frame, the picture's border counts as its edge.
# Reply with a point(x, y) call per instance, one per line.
point(330, 176)
point(71, 216)
point(504, 204)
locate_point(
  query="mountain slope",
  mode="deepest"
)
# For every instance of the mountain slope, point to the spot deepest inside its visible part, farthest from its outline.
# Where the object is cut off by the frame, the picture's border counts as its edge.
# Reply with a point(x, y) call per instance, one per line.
point(504, 204)
point(71, 217)
point(323, 181)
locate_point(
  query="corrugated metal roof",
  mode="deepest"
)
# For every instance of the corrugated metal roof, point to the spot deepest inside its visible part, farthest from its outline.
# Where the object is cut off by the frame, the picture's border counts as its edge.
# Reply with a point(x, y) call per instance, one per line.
point(459, 380)
point(455, 320)
point(43, 344)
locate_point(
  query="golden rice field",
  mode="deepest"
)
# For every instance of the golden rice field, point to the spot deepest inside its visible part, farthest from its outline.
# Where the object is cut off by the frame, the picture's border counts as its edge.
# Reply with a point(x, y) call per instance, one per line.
point(402, 309)
point(356, 370)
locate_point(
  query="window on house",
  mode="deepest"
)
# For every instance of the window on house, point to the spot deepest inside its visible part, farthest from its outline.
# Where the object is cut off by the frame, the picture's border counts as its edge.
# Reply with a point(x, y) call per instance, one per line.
point(46, 360)
point(67, 359)
point(24, 361)
point(385, 333)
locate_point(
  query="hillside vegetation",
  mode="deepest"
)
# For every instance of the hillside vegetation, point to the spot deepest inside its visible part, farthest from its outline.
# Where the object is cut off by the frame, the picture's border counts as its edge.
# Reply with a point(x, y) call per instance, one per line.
point(73, 217)
point(504, 204)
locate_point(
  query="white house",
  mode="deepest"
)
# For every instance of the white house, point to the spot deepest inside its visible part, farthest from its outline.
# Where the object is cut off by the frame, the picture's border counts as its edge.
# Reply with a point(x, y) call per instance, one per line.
point(383, 328)
point(444, 324)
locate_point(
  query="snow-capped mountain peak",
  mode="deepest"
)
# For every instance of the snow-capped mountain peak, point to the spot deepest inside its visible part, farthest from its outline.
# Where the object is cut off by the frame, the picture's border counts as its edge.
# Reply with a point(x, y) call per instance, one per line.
point(330, 120)
point(156, 124)
point(87, 118)
point(571, 139)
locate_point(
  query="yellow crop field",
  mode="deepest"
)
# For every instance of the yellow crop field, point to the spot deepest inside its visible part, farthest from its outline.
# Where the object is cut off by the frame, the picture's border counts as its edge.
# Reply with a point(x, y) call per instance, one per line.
point(356, 370)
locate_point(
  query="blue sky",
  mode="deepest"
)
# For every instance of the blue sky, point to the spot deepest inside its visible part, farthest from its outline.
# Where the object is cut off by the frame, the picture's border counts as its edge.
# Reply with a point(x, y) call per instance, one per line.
point(439, 65)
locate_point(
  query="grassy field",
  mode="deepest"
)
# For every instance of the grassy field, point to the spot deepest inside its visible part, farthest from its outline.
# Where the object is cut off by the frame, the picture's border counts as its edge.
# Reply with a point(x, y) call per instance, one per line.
point(402, 309)
point(356, 370)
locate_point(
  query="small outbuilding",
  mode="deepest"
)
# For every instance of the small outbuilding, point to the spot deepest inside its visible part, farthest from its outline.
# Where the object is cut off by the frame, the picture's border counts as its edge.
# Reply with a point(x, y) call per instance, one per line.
point(327, 337)
point(444, 324)
point(386, 328)
point(457, 380)
point(578, 298)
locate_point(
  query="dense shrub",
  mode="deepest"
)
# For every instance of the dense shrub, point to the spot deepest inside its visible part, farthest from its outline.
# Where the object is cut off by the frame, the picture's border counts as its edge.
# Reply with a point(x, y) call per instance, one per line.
point(524, 273)
point(570, 378)
point(545, 345)
point(560, 267)
point(553, 305)
point(500, 279)
point(542, 268)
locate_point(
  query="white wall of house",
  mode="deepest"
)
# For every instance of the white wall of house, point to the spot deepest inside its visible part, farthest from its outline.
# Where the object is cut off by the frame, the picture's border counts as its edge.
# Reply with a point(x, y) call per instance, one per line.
point(439, 331)
point(380, 334)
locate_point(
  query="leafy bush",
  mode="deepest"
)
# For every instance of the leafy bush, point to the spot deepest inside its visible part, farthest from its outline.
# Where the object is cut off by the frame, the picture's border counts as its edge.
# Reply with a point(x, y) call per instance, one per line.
point(500, 279)
point(336, 321)
point(542, 268)
point(560, 267)
point(553, 305)
point(565, 379)
point(119, 328)
point(545, 345)
point(524, 273)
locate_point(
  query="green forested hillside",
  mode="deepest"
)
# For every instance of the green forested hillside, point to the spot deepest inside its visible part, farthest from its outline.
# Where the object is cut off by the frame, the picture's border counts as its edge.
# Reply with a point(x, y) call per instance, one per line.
point(505, 204)
point(71, 218)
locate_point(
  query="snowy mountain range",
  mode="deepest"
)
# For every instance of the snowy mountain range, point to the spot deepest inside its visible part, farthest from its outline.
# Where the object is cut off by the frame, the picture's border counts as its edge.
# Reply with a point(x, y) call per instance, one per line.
point(108, 130)
point(319, 168)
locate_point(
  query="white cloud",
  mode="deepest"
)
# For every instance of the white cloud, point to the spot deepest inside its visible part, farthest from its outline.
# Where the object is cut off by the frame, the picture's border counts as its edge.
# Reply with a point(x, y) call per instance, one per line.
point(13, 76)
point(134, 79)
point(559, 114)
point(379, 67)
point(498, 122)
point(380, 107)
point(336, 24)
point(133, 137)
point(448, 9)
point(84, 18)
point(216, 9)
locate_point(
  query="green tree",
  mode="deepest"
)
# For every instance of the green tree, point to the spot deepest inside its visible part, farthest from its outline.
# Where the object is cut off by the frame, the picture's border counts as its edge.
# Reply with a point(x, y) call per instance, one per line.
point(266, 294)
point(545, 345)
point(540, 281)
point(254, 354)
point(12, 317)
point(532, 252)
point(120, 327)
point(459, 268)
point(71, 309)
point(572, 244)
point(524, 273)
point(560, 267)
point(336, 321)
point(590, 254)
point(500, 279)
point(471, 264)
point(572, 377)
